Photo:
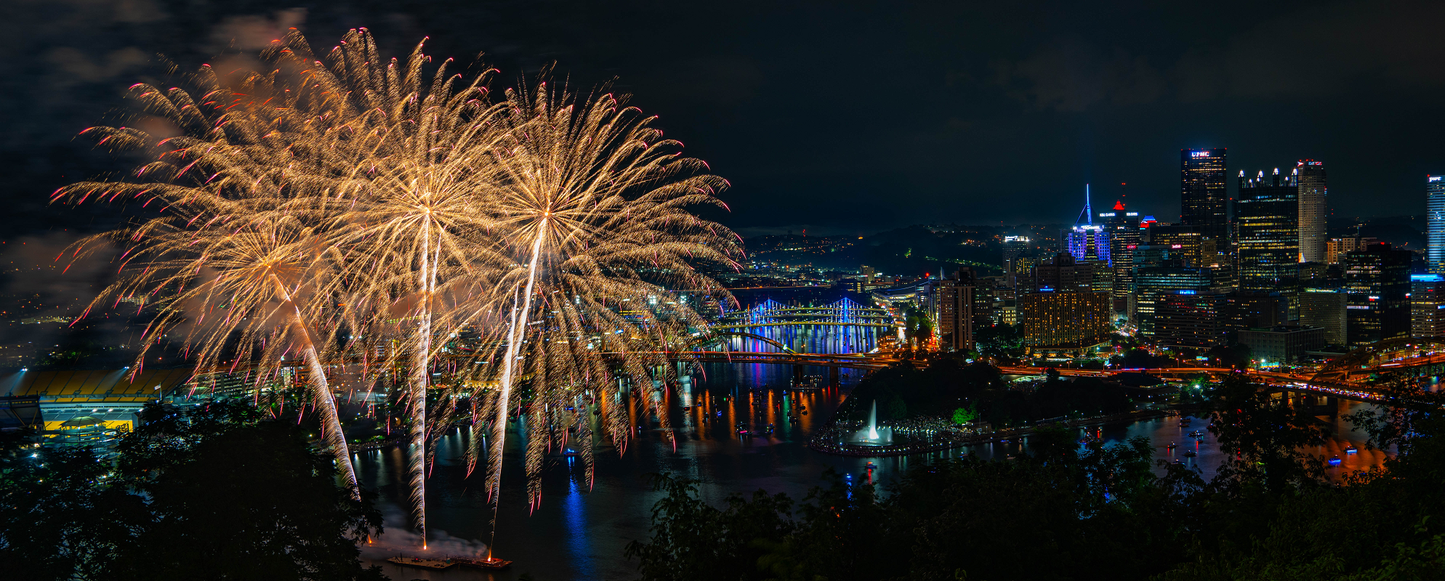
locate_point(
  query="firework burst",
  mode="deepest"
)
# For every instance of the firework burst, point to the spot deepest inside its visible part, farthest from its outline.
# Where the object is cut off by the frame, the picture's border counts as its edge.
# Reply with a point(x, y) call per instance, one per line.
point(354, 196)
point(594, 211)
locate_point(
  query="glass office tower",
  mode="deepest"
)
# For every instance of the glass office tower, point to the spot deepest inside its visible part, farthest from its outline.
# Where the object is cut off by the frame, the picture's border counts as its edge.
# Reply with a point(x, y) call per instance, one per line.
point(1435, 218)
point(1204, 203)
point(1313, 210)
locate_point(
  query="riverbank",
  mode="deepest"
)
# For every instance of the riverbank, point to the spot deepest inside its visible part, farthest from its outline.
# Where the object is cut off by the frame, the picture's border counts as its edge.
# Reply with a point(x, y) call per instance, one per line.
point(830, 438)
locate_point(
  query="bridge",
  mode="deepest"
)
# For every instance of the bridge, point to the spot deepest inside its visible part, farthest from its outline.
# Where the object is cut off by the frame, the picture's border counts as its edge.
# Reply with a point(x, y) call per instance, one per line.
point(842, 326)
point(845, 360)
point(1350, 376)
point(696, 349)
point(841, 313)
point(1300, 383)
point(841, 334)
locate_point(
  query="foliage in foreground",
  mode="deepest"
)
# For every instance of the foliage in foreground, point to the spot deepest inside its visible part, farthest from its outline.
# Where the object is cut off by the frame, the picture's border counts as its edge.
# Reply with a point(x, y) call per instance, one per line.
point(1096, 512)
point(210, 493)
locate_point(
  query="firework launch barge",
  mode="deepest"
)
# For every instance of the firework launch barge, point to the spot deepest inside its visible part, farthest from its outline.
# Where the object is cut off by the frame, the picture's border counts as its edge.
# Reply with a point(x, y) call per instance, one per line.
point(433, 564)
point(488, 563)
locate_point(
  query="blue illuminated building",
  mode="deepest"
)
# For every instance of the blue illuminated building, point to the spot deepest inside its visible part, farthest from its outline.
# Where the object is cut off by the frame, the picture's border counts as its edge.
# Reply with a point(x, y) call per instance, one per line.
point(1427, 305)
point(1435, 223)
point(1087, 240)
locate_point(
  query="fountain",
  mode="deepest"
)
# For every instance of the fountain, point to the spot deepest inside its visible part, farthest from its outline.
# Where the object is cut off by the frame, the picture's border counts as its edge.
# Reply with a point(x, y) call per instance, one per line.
point(872, 435)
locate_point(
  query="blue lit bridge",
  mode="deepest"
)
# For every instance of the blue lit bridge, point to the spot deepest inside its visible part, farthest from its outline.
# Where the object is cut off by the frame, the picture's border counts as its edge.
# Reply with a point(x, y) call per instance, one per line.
point(840, 327)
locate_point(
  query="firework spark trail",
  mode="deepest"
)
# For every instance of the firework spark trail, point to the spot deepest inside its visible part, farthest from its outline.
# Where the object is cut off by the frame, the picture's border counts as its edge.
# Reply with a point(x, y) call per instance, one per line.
point(415, 222)
point(264, 275)
point(514, 341)
point(593, 208)
point(407, 208)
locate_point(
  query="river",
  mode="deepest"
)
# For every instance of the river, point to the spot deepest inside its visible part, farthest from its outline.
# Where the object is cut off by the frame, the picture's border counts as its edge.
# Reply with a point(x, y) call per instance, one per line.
point(580, 532)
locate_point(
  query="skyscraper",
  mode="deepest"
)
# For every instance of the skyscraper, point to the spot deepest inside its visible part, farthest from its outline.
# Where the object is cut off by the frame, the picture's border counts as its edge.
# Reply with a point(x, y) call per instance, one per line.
point(1204, 203)
point(1268, 243)
point(1064, 322)
point(1014, 247)
point(1089, 244)
point(1435, 216)
point(1060, 273)
point(1123, 229)
point(1325, 308)
point(1152, 282)
point(1088, 241)
point(1377, 280)
point(1427, 305)
point(1313, 210)
point(1189, 319)
point(955, 311)
point(1185, 243)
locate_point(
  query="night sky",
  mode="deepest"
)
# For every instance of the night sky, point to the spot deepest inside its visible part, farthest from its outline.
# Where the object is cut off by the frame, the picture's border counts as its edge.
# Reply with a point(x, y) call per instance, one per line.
point(838, 117)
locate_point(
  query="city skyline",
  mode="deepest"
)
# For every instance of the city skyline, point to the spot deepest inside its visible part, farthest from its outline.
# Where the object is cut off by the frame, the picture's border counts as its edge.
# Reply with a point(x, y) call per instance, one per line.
point(428, 287)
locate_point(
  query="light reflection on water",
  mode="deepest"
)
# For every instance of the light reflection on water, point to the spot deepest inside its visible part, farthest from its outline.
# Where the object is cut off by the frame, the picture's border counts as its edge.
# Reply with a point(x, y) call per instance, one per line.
point(579, 533)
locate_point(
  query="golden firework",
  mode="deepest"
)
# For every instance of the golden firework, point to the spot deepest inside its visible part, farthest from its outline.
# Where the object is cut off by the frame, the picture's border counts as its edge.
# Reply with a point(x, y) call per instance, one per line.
point(405, 209)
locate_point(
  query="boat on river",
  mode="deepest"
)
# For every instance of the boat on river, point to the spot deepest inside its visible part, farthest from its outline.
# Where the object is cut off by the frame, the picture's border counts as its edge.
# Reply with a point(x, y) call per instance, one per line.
point(433, 564)
point(808, 383)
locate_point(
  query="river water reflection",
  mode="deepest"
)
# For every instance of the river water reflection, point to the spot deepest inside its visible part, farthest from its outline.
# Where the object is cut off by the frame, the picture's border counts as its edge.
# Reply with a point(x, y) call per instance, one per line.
point(579, 533)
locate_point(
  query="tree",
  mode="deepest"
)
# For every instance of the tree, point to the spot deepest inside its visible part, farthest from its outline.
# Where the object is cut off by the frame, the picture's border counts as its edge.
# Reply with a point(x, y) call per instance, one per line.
point(207, 493)
point(1004, 342)
point(919, 326)
point(1235, 356)
point(695, 541)
point(58, 517)
point(1263, 436)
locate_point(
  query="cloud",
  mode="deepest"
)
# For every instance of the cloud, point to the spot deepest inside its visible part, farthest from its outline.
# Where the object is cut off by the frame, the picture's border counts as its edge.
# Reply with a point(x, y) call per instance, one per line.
point(1073, 76)
point(1319, 52)
point(43, 282)
point(253, 32)
point(138, 11)
point(80, 68)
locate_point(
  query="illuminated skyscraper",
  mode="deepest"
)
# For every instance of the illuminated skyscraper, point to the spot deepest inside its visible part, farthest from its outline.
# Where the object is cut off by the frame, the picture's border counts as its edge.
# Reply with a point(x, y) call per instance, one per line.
point(1089, 244)
point(1152, 282)
point(1123, 229)
point(1325, 308)
point(1014, 248)
point(1268, 243)
point(1377, 280)
point(1435, 216)
point(954, 314)
point(1204, 203)
point(1313, 210)
point(1089, 241)
point(1427, 305)
point(1064, 322)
